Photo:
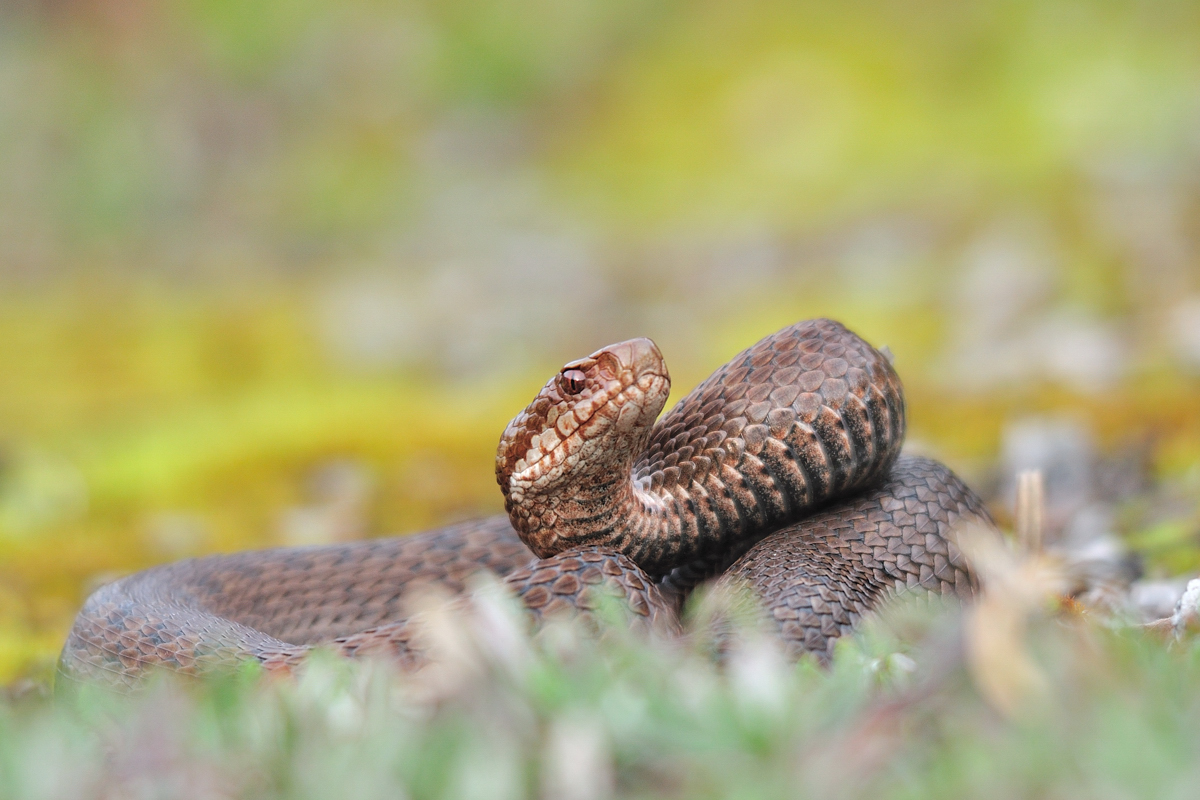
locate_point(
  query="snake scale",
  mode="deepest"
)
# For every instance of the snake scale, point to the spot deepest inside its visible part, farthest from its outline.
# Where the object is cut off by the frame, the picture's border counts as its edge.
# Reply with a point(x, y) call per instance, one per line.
point(780, 471)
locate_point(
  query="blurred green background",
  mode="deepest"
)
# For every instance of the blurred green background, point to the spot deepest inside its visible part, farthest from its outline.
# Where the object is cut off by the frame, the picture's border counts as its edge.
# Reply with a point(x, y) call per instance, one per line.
point(279, 273)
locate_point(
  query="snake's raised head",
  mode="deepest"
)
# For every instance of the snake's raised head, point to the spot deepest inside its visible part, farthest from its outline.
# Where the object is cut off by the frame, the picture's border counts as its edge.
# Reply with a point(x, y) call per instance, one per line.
point(561, 460)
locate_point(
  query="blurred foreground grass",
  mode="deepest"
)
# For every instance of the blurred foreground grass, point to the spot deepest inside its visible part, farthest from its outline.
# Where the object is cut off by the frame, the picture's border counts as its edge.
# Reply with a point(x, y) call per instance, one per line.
point(1114, 713)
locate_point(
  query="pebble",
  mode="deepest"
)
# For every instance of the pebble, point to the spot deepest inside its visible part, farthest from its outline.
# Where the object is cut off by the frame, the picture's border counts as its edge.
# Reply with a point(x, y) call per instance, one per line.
point(1187, 611)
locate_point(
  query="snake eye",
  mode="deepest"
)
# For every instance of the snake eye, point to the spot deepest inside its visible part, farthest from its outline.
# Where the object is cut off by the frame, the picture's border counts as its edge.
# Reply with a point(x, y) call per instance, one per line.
point(572, 381)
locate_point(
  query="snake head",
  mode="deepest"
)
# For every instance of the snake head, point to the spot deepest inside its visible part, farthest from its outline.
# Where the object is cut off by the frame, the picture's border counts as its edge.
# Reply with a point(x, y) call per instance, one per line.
point(561, 457)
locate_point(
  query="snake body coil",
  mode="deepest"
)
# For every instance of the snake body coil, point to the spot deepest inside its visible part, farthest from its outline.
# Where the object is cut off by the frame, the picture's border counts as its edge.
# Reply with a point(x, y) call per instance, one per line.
point(818, 577)
point(597, 493)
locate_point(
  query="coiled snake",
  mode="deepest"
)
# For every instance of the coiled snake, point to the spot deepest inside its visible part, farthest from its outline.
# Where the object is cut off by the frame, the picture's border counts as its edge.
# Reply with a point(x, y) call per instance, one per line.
point(599, 494)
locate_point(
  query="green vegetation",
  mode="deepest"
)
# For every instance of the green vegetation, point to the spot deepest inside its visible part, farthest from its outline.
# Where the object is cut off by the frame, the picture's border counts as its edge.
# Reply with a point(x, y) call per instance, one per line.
point(568, 716)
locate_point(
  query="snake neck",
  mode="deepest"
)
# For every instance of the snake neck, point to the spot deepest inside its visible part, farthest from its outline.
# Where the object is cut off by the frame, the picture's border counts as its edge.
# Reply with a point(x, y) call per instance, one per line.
point(610, 508)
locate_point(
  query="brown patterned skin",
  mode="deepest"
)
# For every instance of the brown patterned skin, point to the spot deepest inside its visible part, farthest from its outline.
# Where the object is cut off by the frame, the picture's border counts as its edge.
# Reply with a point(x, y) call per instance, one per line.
point(270, 605)
point(574, 579)
point(818, 577)
point(809, 413)
point(275, 606)
point(571, 582)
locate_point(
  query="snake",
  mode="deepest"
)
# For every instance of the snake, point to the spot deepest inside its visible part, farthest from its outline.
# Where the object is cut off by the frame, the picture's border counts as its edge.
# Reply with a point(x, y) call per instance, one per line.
point(781, 472)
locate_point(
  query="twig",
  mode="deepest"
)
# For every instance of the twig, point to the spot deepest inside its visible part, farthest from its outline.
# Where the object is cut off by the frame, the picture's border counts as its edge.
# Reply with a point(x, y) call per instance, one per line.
point(1031, 510)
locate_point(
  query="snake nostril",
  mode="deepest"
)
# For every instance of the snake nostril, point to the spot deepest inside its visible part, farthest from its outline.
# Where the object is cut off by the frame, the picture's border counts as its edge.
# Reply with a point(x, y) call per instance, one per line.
point(572, 381)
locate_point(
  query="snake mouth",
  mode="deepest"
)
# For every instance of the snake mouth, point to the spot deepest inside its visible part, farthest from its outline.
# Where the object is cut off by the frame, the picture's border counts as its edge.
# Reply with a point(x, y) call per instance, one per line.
point(563, 440)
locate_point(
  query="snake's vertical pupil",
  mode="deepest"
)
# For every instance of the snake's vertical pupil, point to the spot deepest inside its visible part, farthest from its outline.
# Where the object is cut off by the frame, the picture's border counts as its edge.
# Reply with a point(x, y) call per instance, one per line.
point(573, 381)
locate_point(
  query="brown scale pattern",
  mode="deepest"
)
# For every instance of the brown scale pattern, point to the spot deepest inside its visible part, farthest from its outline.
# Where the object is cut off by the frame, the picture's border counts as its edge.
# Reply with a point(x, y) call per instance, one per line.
point(569, 583)
point(818, 577)
point(806, 415)
point(817, 388)
point(272, 605)
point(307, 595)
point(573, 580)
